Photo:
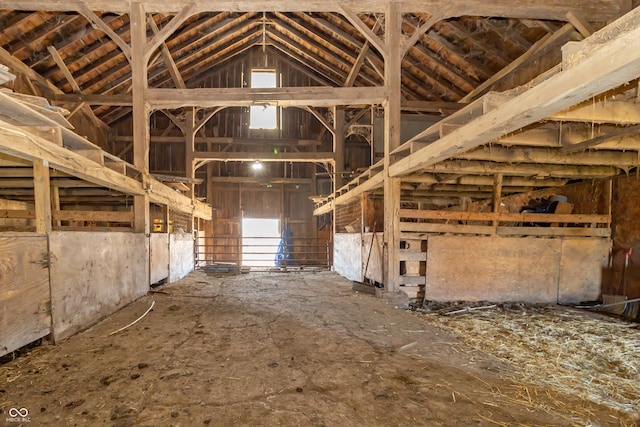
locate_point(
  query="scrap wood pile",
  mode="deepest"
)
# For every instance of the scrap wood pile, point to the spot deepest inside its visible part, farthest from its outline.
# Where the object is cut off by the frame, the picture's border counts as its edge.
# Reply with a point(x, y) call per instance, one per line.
point(577, 353)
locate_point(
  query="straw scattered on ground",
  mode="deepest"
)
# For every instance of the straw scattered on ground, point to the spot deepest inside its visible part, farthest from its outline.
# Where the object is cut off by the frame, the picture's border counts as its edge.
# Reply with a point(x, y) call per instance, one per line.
point(574, 352)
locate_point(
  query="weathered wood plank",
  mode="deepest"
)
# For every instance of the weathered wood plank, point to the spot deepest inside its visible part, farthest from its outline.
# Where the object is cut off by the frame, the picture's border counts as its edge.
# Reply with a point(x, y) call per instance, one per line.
point(24, 291)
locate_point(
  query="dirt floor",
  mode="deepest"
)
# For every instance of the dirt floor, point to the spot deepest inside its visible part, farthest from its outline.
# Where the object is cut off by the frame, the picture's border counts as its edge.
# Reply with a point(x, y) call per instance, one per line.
point(278, 349)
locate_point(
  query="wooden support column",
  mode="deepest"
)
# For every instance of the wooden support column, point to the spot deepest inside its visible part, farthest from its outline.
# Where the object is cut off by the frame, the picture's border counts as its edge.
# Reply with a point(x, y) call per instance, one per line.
point(497, 195)
point(338, 145)
point(140, 112)
point(189, 129)
point(42, 194)
point(392, 106)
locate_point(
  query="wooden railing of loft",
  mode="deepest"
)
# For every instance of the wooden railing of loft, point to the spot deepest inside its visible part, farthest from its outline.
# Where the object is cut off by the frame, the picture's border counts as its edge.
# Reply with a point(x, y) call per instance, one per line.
point(504, 224)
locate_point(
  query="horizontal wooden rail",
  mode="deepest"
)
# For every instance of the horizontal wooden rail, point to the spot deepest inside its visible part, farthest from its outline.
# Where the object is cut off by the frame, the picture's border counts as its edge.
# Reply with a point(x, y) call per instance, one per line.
point(505, 217)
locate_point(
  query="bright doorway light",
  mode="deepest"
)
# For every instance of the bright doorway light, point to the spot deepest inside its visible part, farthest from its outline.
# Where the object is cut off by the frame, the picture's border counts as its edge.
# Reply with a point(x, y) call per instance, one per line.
point(263, 116)
point(260, 240)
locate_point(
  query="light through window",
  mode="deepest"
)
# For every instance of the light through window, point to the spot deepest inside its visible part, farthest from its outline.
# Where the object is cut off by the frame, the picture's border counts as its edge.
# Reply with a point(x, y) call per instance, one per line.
point(263, 116)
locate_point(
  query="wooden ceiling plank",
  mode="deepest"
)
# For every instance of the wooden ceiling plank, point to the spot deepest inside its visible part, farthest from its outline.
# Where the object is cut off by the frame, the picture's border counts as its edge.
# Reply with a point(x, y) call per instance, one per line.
point(602, 62)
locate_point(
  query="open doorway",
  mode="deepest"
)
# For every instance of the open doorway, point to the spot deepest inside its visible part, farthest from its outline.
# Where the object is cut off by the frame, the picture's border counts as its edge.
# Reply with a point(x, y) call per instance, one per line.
point(260, 240)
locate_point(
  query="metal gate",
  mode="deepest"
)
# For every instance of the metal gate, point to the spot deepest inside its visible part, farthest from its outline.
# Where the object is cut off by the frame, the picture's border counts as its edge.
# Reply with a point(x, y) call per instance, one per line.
point(298, 253)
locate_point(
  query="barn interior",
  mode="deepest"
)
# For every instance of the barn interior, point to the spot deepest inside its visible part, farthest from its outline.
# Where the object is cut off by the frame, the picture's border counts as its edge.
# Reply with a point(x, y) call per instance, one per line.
point(424, 151)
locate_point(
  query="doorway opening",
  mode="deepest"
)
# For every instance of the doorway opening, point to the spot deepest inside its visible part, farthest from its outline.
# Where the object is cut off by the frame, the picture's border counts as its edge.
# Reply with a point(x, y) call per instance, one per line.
point(260, 241)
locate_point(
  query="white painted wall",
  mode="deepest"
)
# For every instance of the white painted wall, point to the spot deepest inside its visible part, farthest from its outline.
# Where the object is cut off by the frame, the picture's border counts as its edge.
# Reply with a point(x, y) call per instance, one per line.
point(347, 255)
point(181, 255)
point(94, 274)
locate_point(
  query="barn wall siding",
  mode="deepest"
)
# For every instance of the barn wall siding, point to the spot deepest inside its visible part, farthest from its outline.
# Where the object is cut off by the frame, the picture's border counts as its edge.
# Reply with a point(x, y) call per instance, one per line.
point(534, 270)
point(181, 255)
point(93, 275)
point(25, 314)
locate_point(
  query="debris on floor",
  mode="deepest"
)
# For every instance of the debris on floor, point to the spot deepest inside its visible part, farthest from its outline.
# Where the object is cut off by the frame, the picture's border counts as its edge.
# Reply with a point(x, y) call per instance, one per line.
point(576, 352)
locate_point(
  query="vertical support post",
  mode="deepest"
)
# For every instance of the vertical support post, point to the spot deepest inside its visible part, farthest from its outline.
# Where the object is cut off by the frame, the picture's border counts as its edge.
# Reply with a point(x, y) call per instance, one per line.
point(55, 201)
point(338, 145)
point(140, 112)
point(392, 81)
point(190, 135)
point(42, 193)
point(497, 195)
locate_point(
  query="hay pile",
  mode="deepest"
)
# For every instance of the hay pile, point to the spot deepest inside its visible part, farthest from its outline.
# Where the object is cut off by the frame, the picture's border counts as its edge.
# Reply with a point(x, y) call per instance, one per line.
point(575, 352)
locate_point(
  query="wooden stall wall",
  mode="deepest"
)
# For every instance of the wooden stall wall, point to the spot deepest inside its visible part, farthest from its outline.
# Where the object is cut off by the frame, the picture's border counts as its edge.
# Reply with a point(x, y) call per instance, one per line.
point(158, 257)
point(529, 269)
point(25, 309)
point(93, 275)
point(181, 255)
point(373, 257)
point(17, 224)
point(347, 262)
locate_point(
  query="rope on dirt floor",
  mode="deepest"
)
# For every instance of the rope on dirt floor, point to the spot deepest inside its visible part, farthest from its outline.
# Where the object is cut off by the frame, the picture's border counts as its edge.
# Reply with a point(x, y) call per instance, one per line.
point(135, 321)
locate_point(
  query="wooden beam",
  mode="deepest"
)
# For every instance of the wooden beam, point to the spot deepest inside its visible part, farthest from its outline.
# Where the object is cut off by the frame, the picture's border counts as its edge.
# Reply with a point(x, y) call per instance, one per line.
point(323, 120)
point(580, 24)
point(187, 11)
point(564, 156)
point(263, 156)
point(593, 142)
point(168, 59)
point(42, 196)
point(392, 123)
point(535, 50)
point(598, 11)
point(497, 195)
point(85, 10)
point(421, 31)
point(357, 65)
point(160, 99)
point(368, 34)
point(63, 67)
point(441, 107)
point(602, 111)
point(603, 62)
point(119, 100)
point(139, 74)
point(525, 169)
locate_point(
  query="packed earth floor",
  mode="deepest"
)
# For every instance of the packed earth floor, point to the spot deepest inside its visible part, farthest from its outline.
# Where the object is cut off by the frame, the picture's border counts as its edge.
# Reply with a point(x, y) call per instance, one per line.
point(266, 349)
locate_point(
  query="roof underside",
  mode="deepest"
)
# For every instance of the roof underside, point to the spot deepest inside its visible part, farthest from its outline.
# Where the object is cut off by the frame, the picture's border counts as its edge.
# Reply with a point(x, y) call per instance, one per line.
point(452, 59)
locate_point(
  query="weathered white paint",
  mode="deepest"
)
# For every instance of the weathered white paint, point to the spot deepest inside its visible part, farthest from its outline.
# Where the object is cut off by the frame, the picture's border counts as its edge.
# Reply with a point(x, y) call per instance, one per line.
point(158, 257)
point(347, 255)
point(529, 269)
point(93, 275)
point(181, 255)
